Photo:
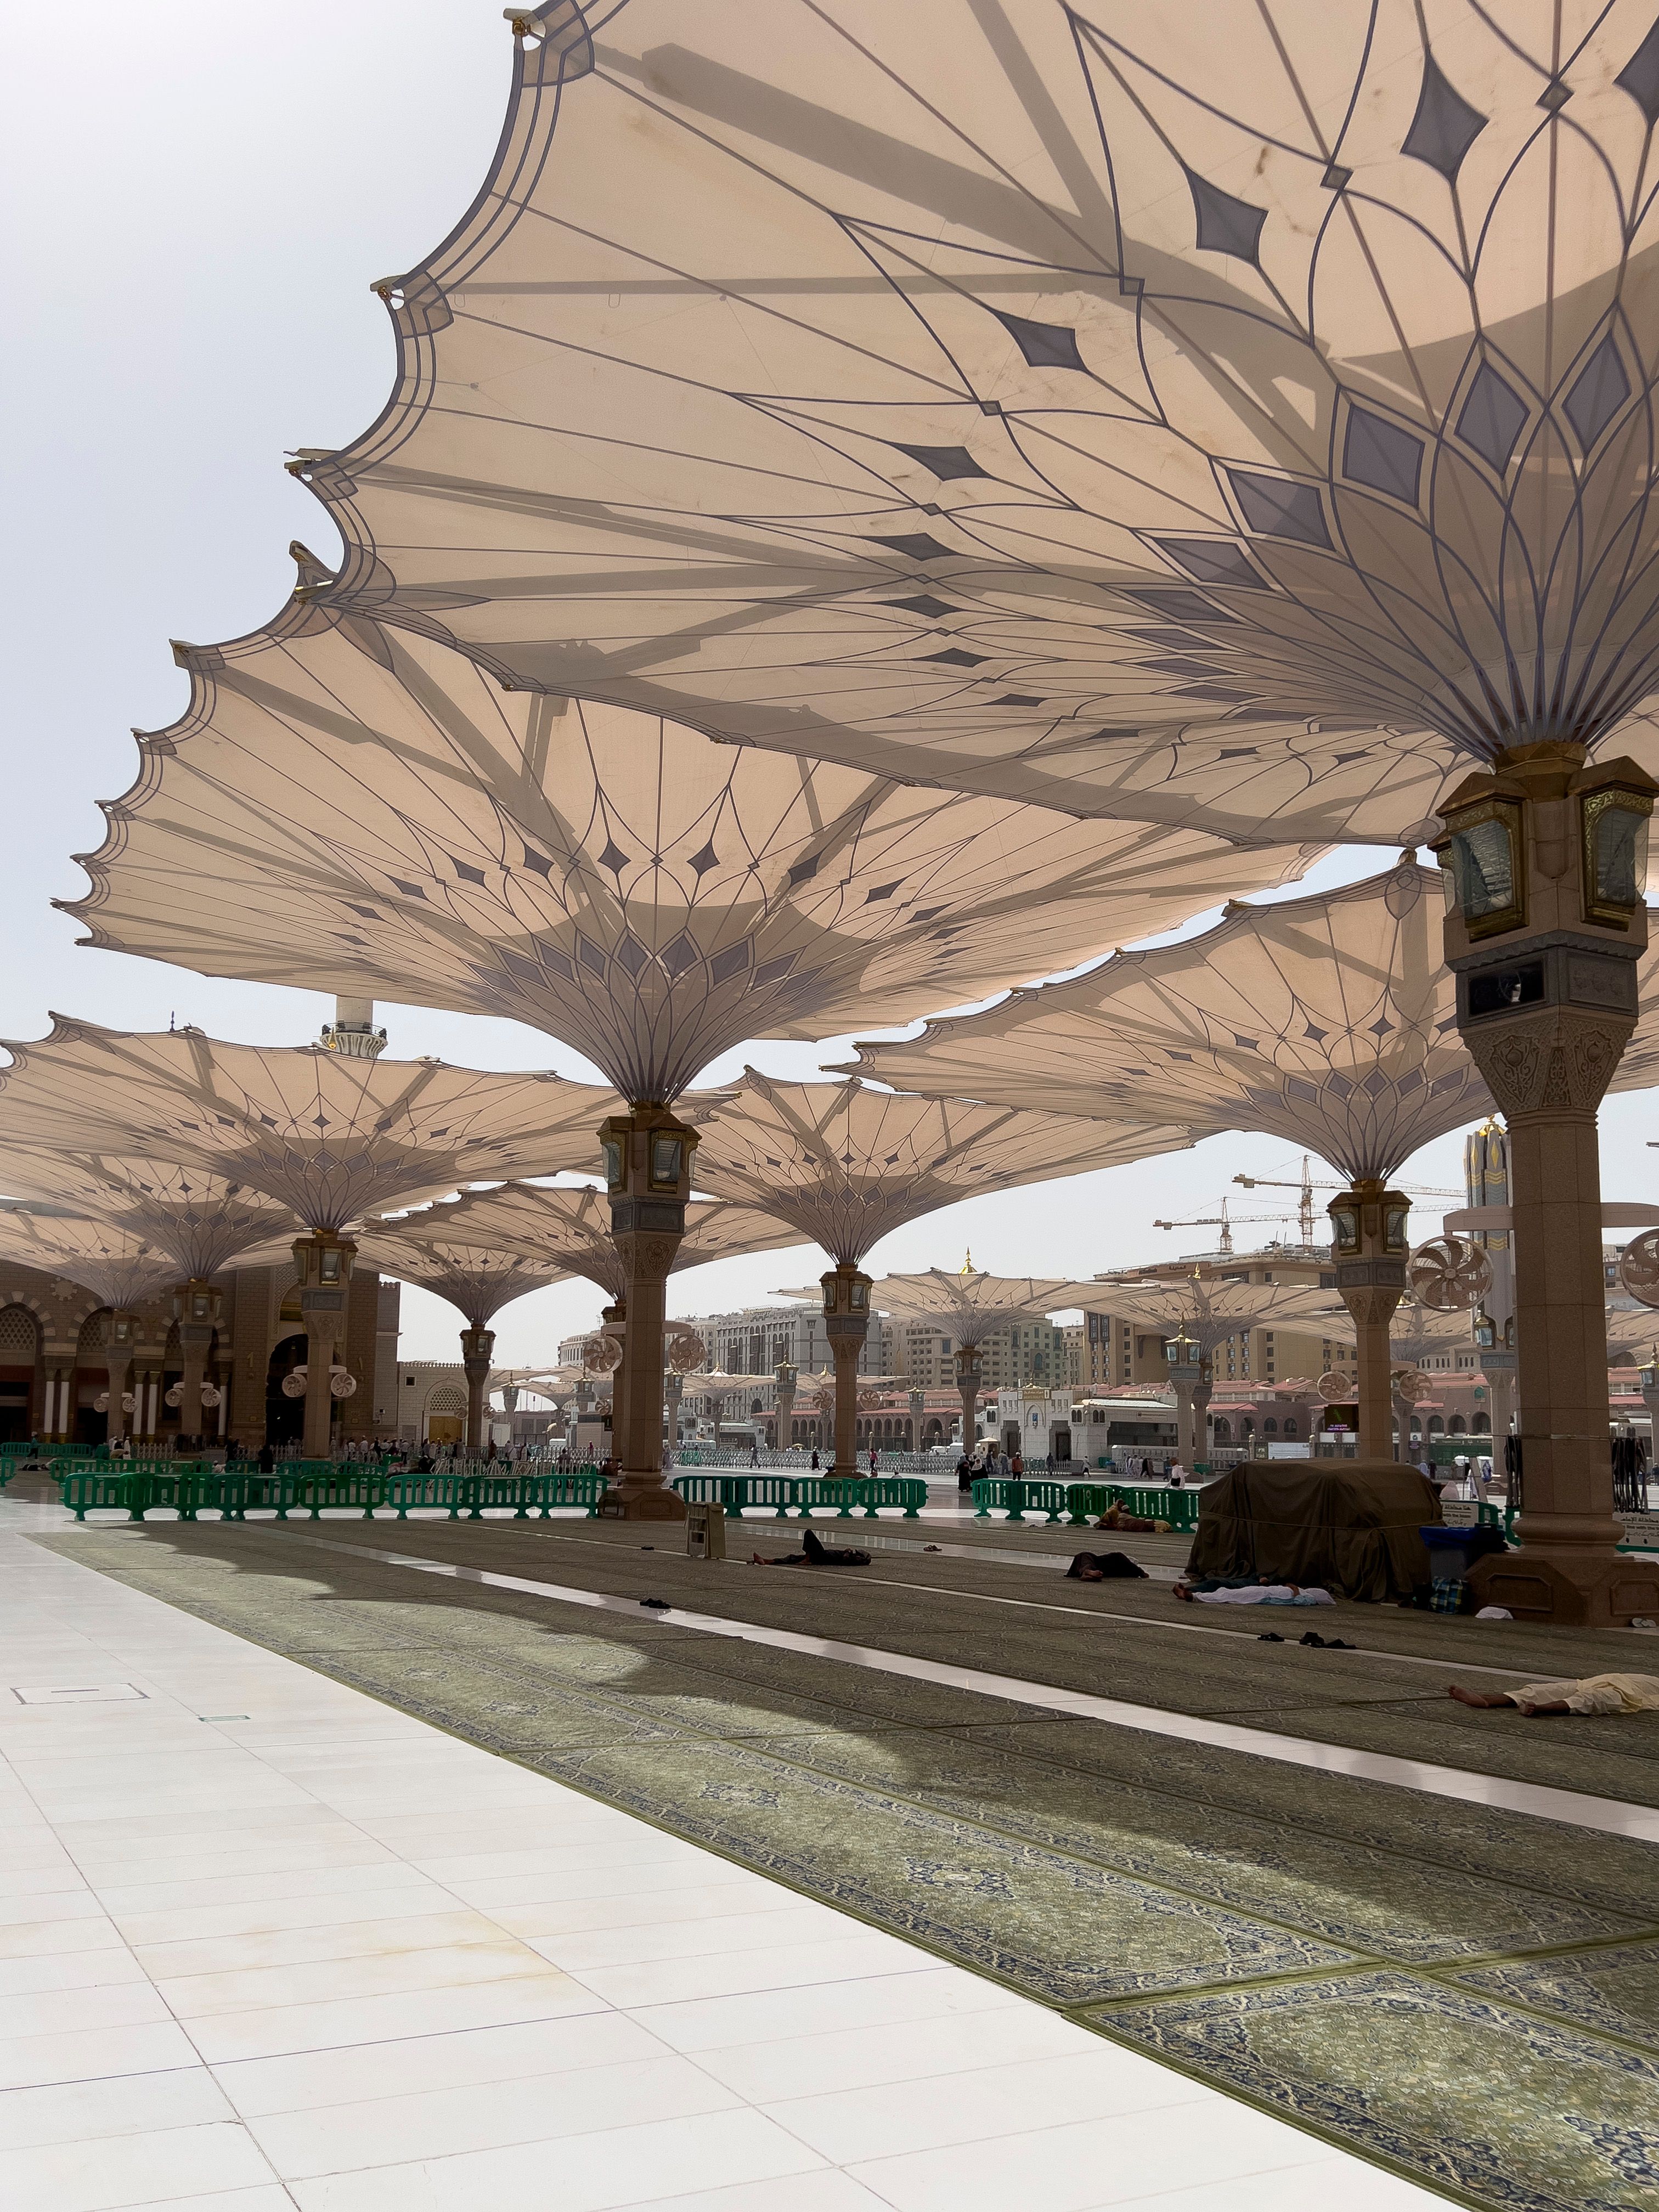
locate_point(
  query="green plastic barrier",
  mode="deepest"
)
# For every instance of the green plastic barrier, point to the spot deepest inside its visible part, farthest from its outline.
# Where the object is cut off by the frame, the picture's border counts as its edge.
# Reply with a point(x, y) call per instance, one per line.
point(805, 1493)
point(989, 1492)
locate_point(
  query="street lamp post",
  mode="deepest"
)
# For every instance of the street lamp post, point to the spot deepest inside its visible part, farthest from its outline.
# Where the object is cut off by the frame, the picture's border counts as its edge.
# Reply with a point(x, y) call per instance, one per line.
point(1546, 864)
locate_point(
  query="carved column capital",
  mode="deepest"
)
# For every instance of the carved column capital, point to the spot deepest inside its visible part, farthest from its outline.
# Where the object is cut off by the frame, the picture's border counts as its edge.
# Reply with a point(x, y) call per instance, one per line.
point(1560, 1060)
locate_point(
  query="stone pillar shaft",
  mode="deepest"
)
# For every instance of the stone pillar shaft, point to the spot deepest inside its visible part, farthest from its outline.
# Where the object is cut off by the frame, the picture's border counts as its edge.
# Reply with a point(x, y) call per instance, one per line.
point(648, 1166)
point(477, 1348)
point(969, 1368)
point(847, 1325)
point(1370, 1246)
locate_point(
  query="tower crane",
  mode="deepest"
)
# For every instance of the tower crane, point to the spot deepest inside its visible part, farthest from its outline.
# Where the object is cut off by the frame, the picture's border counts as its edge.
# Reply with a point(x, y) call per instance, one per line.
point(1220, 1221)
point(1308, 1186)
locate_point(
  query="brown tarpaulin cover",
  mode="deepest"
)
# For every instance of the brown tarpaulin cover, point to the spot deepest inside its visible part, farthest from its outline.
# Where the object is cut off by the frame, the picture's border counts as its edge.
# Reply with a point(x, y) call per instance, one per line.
point(1348, 1527)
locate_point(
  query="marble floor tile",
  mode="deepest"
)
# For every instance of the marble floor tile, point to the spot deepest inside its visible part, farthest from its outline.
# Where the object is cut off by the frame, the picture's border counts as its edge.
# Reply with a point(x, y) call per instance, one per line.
point(326, 1959)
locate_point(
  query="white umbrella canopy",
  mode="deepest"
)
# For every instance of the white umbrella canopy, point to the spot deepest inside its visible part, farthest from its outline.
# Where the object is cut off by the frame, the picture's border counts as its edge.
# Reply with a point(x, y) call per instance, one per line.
point(1208, 1312)
point(845, 1163)
point(571, 1230)
point(368, 808)
point(969, 1306)
point(201, 1222)
point(1331, 1021)
point(324, 1134)
point(475, 1278)
point(119, 1268)
point(1200, 417)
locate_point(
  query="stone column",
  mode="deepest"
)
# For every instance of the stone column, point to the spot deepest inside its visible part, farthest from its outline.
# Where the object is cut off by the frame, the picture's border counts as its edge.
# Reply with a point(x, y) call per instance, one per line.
point(324, 1262)
point(477, 1349)
point(785, 1377)
point(648, 1156)
point(1544, 934)
point(118, 1365)
point(969, 1368)
point(1370, 1245)
point(918, 1408)
point(673, 1391)
point(1184, 1376)
point(196, 1307)
point(847, 1325)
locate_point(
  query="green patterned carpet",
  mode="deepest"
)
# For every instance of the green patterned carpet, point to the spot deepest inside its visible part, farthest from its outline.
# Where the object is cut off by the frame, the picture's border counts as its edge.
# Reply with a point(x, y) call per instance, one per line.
point(1468, 1996)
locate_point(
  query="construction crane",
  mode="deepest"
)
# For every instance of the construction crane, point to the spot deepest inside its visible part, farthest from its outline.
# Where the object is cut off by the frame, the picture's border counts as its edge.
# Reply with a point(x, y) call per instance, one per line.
point(1220, 1221)
point(1308, 1186)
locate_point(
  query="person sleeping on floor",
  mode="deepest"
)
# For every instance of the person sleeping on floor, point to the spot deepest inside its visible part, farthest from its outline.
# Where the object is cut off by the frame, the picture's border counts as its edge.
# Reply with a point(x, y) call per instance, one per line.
point(1593, 1693)
point(1246, 1590)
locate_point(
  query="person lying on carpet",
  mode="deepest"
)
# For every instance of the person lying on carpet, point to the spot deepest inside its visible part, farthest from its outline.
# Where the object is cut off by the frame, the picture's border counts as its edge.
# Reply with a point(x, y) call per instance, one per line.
point(812, 1553)
point(1595, 1693)
point(1104, 1567)
point(1115, 1517)
point(1206, 1592)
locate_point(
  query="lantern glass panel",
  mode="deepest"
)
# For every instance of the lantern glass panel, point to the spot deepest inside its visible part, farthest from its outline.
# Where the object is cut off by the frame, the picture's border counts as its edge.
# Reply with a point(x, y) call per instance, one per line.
point(1485, 867)
point(1615, 854)
point(667, 1154)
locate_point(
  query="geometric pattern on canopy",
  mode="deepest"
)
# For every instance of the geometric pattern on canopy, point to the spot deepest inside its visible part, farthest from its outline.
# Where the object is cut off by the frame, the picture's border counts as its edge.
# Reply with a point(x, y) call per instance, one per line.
point(968, 1307)
point(370, 810)
point(421, 1250)
point(1330, 1021)
point(1209, 1311)
point(323, 1133)
point(571, 1230)
point(1248, 429)
point(200, 1221)
point(846, 1163)
point(121, 1269)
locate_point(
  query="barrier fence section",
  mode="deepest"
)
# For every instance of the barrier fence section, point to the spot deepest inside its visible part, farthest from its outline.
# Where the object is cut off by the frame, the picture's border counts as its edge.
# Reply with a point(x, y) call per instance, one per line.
point(314, 1487)
point(1079, 1503)
point(804, 1494)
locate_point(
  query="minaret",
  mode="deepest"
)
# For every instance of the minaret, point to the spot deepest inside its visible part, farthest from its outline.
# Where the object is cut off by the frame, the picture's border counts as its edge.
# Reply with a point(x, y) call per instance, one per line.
point(352, 1030)
point(1486, 1180)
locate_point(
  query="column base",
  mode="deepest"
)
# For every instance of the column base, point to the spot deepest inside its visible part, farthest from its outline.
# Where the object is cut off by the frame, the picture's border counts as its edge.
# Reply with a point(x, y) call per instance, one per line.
point(642, 1497)
point(1569, 1588)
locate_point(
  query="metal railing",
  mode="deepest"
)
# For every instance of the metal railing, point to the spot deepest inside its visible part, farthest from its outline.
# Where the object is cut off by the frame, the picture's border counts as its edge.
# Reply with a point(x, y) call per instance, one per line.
point(1079, 1503)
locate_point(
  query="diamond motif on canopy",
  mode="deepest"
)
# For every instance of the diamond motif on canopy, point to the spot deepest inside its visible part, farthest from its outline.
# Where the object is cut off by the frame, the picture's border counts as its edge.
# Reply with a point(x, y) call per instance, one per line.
point(1329, 1021)
point(671, 396)
point(370, 810)
point(119, 1269)
point(845, 1164)
point(201, 1222)
point(571, 1230)
point(389, 1128)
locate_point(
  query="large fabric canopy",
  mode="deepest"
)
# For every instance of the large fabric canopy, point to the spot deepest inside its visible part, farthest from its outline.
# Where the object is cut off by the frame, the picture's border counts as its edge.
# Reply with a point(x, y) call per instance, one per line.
point(322, 1133)
point(1330, 1021)
point(368, 809)
point(121, 1269)
point(844, 1163)
point(202, 1222)
point(1208, 1312)
point(968, 1307)
point(474, 1277)
point(1240, 417)
point(572, 1230)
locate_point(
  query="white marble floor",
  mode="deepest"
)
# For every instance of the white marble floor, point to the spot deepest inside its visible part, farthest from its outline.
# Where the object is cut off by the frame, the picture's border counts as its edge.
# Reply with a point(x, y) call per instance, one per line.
point(266, 1944)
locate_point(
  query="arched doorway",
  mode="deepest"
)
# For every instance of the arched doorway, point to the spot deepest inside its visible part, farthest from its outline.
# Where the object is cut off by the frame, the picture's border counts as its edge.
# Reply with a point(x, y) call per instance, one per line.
point(1224, 1430)
point(446, 1414)
point(19, 1350)
point(285, 1417)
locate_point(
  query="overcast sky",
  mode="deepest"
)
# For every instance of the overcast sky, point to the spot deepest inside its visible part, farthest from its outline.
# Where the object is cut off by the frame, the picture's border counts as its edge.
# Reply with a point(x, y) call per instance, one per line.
point(202, 197)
